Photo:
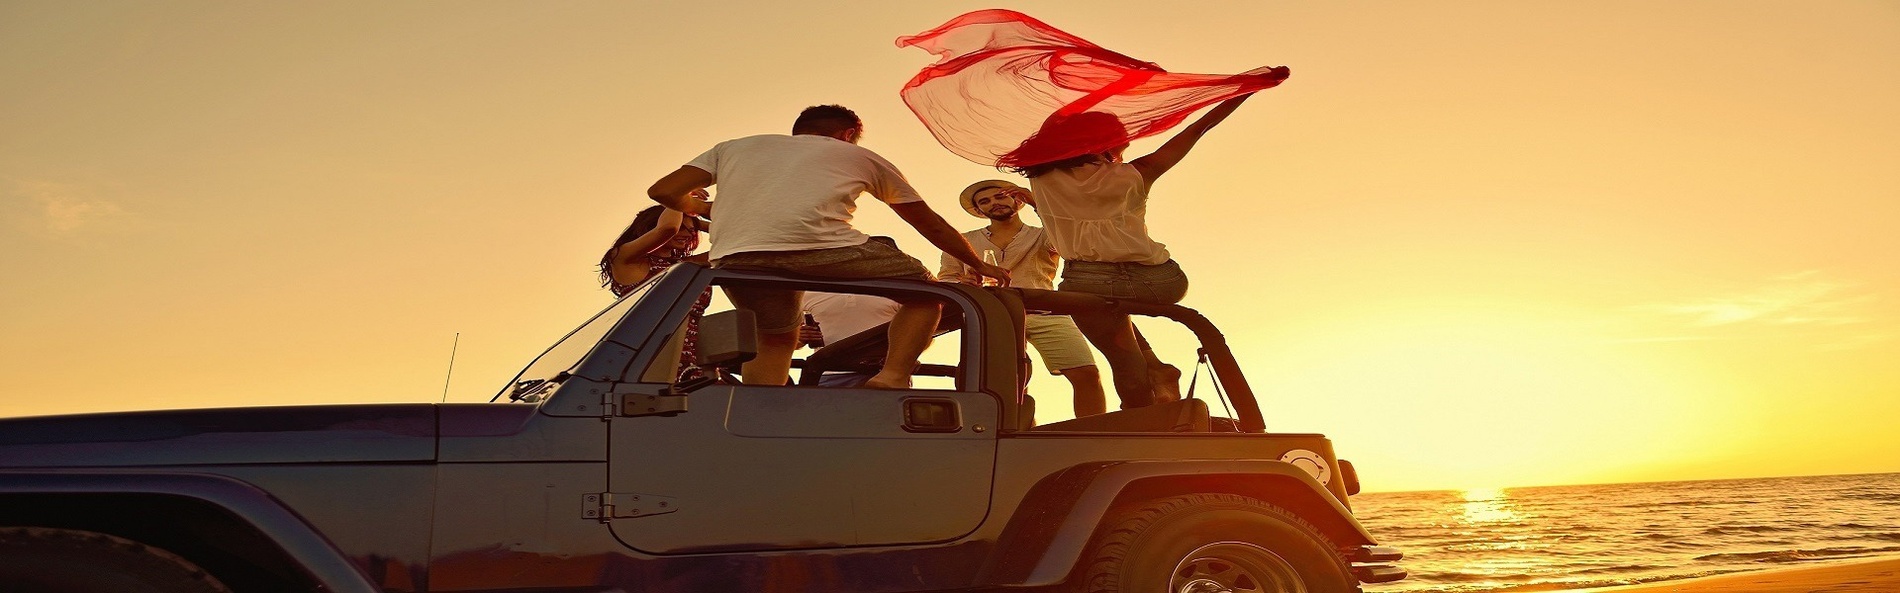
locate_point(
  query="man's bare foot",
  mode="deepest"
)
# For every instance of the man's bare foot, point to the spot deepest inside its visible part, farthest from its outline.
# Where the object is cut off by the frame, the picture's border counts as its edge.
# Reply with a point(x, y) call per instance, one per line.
point(1167, 382)
point(884, 381)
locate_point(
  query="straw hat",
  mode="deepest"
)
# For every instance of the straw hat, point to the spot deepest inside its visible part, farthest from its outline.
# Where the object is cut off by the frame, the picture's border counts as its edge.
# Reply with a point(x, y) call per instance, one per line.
point(969, 194)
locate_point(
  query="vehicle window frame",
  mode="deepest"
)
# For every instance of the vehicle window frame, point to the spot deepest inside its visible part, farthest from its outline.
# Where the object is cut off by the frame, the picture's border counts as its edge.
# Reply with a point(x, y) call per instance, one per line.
point(969, 374)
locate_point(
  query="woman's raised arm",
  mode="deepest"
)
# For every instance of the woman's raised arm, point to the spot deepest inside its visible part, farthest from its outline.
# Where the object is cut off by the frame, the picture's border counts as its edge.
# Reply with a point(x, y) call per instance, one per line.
point(1171, 153)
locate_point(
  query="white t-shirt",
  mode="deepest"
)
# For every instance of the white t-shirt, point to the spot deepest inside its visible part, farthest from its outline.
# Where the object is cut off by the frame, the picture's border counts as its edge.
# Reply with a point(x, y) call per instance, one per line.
point(841, 316)
point(792, 193)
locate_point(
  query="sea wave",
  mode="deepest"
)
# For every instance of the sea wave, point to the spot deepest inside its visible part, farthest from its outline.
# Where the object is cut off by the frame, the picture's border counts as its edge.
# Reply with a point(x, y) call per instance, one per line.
point(1861, 526)
point(1783, 556)
point(1886, 497)
point(1744, 529)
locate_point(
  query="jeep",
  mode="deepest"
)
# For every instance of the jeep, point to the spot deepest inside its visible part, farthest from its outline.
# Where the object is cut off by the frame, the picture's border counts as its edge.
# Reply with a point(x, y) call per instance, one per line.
point(596, 470)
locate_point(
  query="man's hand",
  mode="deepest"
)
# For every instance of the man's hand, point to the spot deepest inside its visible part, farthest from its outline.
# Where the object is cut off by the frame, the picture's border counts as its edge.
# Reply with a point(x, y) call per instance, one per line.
point(1000, 273)
point(810, 335)
point(941, 234)
point(1020, 194)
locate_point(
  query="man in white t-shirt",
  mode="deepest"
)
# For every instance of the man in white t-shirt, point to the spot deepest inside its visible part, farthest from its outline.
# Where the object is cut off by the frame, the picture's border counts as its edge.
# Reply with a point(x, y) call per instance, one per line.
point(785, 203)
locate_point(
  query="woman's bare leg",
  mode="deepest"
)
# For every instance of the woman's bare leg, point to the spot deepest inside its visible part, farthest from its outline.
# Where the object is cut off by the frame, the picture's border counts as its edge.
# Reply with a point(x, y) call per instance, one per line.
point(1114, 335)
point(1165, 377)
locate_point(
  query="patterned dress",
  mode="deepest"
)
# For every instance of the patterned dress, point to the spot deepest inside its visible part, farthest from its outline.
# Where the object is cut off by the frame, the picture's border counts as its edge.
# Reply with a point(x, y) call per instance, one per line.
point(657, 262)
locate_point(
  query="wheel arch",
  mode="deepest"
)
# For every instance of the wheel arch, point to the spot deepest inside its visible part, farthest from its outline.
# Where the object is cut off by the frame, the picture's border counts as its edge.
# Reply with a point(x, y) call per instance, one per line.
point(1053, 526)
point(230, 528)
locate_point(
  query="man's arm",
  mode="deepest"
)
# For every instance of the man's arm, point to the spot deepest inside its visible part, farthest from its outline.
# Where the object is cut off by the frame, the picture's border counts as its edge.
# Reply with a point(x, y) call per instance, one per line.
point(675, 191)
point(631, 252)
point(945, 237)
point(1176, 148)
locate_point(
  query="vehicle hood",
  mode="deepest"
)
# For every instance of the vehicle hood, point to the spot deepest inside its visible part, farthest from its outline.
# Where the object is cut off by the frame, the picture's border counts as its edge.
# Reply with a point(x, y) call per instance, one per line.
point(262, 435)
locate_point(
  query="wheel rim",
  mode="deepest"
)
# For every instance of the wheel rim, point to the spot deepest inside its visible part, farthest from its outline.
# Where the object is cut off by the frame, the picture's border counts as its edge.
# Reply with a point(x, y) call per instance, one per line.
point(1234, 567)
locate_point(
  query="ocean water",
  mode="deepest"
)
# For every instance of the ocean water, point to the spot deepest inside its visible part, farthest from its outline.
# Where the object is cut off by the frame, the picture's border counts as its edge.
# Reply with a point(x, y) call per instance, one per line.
point(1561, 537)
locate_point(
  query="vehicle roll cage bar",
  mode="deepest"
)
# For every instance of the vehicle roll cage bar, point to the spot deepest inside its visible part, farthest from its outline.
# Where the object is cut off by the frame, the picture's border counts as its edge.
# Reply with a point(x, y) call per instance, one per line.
point(1213, 349)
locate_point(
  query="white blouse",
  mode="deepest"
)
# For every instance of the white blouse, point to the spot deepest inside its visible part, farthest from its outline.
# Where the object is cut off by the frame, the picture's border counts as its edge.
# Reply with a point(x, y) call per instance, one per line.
point(1097, 213)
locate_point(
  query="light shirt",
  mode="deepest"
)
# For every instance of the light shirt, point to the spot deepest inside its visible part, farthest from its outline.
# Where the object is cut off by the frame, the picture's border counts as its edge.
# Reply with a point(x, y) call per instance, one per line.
point(1030, 257)
point(1098, 213)
point(841, 316)
point(794, 193)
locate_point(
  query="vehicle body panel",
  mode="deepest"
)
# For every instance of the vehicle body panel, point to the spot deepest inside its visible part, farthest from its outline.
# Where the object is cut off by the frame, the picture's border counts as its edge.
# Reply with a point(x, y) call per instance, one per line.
point(841, 470)
point(284, 434)
point(497, 433)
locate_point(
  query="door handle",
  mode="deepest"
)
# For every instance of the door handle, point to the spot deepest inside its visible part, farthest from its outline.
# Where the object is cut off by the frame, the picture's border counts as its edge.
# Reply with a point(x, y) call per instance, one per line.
point(932, 414)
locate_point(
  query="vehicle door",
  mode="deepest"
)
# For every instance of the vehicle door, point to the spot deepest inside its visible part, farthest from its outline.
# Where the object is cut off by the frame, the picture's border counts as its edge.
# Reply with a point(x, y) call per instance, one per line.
point(748, 468)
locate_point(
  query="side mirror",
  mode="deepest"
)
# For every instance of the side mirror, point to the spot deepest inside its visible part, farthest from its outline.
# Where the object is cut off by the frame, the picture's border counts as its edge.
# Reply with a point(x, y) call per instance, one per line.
point(728, 338)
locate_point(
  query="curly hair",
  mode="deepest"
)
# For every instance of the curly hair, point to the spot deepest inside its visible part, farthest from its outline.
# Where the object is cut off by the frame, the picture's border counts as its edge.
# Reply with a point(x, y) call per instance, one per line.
point(826, 120)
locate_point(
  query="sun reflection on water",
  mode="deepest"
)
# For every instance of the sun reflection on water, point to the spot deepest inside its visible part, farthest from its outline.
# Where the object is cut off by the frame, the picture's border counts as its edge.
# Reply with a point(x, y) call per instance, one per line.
point(1488, 505)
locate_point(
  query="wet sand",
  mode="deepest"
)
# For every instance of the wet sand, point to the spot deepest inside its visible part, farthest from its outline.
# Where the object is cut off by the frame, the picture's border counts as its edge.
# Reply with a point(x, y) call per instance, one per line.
point(1873, 576)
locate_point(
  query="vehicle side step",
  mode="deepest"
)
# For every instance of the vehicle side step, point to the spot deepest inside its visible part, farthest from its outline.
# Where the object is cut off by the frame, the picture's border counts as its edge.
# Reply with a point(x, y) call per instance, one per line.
point(1369, 564)
point(1378, 573)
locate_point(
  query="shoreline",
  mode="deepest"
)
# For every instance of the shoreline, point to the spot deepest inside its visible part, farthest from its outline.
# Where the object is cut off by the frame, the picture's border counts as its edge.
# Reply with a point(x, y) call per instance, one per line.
point(1871, 575)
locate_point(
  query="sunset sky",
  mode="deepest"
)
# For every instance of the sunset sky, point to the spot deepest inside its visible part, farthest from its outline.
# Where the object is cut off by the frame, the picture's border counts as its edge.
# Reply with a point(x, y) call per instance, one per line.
point(1477, 243)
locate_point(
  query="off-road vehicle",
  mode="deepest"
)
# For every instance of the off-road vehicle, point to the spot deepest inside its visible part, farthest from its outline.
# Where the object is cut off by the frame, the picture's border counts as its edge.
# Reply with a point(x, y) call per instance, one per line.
point(595, 470)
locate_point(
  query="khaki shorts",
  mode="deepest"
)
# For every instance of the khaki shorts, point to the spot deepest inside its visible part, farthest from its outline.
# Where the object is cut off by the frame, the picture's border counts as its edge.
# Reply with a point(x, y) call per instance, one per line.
point(1060, 344)
point(777, 309)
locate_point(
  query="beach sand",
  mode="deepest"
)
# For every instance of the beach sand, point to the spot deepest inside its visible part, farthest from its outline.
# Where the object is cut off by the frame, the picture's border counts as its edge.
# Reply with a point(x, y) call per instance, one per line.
point(1875, 576)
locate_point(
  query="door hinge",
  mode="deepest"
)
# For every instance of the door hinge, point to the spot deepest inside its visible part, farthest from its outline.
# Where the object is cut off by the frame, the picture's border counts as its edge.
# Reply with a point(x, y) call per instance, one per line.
point(607, 506)
point(664, 404)
point(667, 403)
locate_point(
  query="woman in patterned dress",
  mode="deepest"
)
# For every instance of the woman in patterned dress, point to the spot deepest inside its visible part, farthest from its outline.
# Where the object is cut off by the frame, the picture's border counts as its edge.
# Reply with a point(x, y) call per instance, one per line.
point(657, 239)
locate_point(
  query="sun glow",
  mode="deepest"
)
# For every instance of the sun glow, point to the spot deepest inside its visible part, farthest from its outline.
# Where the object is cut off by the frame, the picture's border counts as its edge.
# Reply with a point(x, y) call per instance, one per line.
point(1488, 505)
point(1479, 396)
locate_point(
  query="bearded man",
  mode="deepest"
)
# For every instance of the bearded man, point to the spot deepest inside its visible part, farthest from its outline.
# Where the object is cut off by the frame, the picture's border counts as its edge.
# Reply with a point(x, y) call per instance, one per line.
point(1031, 260)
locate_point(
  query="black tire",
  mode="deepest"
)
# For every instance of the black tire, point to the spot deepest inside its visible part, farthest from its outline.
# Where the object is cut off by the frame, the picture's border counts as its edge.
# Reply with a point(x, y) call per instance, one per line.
point(45, 560)
point(1207, 543)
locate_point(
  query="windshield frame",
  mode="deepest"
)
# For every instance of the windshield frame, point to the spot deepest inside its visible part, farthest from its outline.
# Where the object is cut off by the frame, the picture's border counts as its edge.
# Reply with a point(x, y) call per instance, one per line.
point(590, 333)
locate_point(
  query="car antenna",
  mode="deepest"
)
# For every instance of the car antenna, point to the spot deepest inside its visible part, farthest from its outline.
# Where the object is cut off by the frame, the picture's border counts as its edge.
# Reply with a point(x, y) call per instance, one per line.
point(451, 375)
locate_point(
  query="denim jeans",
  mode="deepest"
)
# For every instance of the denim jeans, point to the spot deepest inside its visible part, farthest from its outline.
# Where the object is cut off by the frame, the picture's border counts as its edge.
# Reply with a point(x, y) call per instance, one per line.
point(1161, 283)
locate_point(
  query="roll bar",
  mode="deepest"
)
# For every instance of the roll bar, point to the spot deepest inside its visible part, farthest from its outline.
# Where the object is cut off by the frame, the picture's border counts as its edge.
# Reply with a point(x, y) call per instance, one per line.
point(1213, 343)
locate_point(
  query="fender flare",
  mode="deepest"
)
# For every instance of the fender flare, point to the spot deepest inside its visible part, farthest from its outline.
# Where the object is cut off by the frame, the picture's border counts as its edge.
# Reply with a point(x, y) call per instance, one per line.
point(1057, 518)
point(324, 563)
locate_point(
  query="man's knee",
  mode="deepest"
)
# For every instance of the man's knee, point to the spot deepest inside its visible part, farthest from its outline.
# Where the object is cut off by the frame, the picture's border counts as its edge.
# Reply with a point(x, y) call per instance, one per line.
point(1082, 373)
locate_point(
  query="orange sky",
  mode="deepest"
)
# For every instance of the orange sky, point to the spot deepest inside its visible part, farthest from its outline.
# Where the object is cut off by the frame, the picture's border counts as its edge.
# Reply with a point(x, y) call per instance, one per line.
point(1479, 244)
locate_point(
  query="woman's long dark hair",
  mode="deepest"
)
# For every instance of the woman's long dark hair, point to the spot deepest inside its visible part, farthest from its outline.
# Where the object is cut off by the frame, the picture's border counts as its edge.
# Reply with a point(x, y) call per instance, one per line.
point(1098, 131)
point(643, 222)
